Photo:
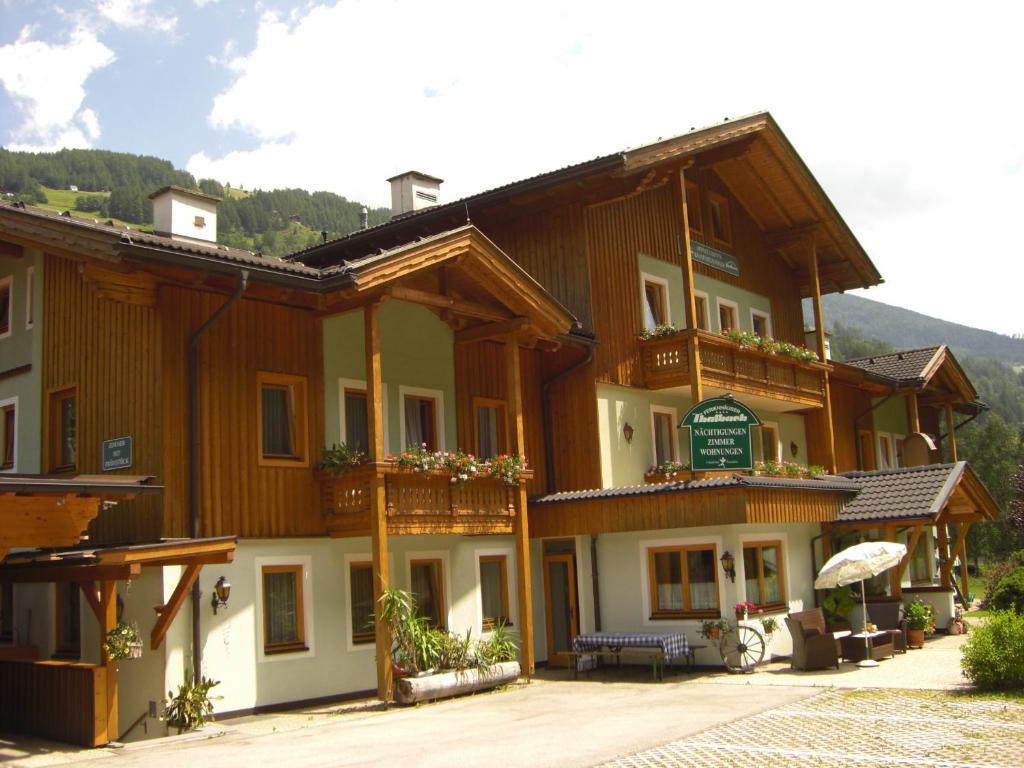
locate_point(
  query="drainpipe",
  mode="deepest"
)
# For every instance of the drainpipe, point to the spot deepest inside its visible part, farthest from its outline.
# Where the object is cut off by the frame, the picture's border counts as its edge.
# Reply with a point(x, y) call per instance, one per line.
point(193, 467)
point(596, 582)
point(964, 423)
point(856, 425)
point(549, 456)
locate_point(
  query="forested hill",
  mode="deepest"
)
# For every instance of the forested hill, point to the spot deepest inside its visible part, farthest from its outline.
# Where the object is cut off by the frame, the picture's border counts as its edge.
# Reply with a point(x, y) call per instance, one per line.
point(117, 185)
point(905, 329)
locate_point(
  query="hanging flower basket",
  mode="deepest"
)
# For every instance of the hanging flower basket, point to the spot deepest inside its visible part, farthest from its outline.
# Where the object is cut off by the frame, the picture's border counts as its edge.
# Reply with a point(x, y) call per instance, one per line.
point(123, 642)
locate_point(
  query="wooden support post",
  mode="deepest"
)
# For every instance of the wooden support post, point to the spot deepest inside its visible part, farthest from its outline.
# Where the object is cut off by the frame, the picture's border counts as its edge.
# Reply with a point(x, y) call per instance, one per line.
point(913, 415)
point(378, 502)
point(828, 437)
point(689, 302)
point(944, 553)
point(951, 433)
point(826, 542)
point(895, 574)
point(517, 447)
point(965, 581)
point(108, 613)
point(170, 609)
point(915, 537)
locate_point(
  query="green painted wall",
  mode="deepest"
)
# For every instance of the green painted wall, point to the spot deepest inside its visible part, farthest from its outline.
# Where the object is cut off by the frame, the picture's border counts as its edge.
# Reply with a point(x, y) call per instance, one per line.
point(417, 350)
point(673, 275)
point(24, 347)
point(892, 416)
point(745, 299)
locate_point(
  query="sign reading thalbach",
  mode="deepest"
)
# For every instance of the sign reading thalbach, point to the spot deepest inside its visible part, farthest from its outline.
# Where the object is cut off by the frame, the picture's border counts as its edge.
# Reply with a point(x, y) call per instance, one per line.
point(720, 435)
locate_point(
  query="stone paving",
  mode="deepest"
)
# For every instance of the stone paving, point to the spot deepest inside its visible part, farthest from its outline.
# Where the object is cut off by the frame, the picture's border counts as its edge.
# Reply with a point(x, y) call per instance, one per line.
point(876, 728)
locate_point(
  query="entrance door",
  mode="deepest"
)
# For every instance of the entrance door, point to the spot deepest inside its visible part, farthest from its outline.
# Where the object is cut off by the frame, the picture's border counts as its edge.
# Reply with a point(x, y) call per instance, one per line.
point(560, 605)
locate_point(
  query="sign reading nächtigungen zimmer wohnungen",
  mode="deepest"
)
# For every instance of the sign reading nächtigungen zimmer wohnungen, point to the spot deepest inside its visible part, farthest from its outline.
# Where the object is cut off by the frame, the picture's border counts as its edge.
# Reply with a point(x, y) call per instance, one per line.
point(720, 435)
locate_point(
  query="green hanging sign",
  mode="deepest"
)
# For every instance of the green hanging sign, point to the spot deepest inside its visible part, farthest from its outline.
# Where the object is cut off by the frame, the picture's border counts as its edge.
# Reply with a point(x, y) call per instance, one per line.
point(720, 435)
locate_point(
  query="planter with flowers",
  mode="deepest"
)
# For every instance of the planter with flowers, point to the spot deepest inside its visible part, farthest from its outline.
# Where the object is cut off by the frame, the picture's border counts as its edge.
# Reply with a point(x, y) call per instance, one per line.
point(657, 332)
point(713, 629)
point(771, 346)
point(668, 472)
point(123, 642)
point(920, 617)
point(788, 469)
point(745, 609)
point(461, 466)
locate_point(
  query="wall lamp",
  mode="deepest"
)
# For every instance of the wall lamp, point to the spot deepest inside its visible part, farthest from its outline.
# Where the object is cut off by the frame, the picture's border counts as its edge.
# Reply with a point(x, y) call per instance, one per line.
point(221, 593)
point(729, 565)
point(627, 432)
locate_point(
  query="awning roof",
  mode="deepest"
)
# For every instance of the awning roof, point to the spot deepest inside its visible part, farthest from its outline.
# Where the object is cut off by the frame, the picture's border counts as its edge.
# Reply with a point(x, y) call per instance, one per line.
point(107, 486)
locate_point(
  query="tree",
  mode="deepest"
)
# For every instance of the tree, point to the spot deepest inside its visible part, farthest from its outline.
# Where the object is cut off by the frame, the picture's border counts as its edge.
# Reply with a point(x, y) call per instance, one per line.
point(1016, 516)
point(996, 452)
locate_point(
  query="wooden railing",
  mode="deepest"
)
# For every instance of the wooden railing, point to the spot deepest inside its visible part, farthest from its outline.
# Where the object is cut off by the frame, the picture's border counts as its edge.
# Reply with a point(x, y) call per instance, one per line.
point(419, 502)
point(727, 365)
point(57, 700)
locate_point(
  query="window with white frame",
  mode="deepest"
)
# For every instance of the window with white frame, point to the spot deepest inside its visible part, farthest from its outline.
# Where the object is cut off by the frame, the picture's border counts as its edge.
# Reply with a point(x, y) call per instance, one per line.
point(285, 606)
point(360, 584)
point(763, 574)
point(6, 302)
point(728, 315)
point(30, 280)
point(656, 307)
point(761, 323)
point(897, 447)
point(8, 434)
point(683, 581)
point(885, 455)
point(426, 577)
point(494, 603)
point(422, 418)
point(700, 304)
point(354, 415)
point(767, 446)
point(663, 433)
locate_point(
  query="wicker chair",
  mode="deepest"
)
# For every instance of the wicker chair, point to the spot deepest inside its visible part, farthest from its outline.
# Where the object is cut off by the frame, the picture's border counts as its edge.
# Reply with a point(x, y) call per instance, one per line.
point(886, 616)
point(813, 646)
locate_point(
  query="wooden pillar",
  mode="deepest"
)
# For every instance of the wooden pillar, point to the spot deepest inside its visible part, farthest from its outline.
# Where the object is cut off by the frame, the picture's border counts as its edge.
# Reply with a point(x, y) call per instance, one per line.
point(826, 542)
point(378, 502)
point(828, 436)
point(965, 581)
point(944, 553)
point(108, 620)
point(895, 574)
point(951, 433)
point(689, 302)
point(913, 415)
point(517, 447)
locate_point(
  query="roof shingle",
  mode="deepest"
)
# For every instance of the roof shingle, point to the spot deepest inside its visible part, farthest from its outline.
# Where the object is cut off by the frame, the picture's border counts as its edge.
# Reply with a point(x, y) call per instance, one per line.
point(895, 494)
point(907, 367)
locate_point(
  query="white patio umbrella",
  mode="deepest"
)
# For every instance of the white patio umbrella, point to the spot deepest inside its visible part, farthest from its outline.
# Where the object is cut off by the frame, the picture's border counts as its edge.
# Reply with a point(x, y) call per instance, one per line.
point(856, 563)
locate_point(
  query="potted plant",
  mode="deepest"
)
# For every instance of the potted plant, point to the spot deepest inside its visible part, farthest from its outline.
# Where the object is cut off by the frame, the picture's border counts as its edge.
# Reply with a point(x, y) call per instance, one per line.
point(744, 609)
point(770, 625)
point(920, 618)
point(837, 606)
point(123, 642)
point(191, 706)
point(668, 471)
point(339, 458)
point(713, 629)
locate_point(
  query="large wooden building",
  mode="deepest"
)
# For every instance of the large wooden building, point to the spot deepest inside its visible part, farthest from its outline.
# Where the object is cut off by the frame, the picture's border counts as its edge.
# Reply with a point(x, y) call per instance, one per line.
point(572, 318)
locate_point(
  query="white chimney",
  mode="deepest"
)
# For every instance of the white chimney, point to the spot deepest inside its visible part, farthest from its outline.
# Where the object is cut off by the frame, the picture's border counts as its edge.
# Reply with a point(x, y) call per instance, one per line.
point(185, 214)
point(413, 191)
point(811, 337)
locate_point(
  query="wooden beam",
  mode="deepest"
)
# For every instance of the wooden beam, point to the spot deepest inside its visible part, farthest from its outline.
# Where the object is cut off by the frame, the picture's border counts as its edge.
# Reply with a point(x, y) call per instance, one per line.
point(965, 581)
point(913, 415)
point(13, 250)
point(944, 553)
point(517, 447)
point(915, 537)
point(108, 620)
point(689, 303)
point(43, 572)
point(92, 597)
point(378, 508)
point(169, 610)
point(491, 330)
point(951, 433)
point(829, 437)
point(895, 586)
point(460, 307)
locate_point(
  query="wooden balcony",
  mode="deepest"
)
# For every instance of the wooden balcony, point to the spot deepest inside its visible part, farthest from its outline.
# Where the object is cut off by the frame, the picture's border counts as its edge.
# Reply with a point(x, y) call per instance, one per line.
point(727, 365)
point(419, 503)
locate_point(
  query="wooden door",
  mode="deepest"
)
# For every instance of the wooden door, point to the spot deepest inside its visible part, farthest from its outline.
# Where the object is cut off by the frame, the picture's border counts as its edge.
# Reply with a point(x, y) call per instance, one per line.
point(560, 606)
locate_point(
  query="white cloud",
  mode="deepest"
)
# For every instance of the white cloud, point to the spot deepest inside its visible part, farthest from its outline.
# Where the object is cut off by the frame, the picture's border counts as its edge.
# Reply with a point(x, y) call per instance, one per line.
point(46, 81)
point(204, 3)
point(130, 14)
point(909, 125)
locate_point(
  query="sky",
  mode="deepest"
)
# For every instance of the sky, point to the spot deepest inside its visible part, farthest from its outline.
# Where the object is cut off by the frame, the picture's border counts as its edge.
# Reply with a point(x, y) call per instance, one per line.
point(909, 114)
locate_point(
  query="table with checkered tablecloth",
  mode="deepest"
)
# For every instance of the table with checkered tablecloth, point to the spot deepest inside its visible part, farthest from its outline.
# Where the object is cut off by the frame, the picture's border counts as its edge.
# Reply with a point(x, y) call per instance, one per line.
point(673, 644)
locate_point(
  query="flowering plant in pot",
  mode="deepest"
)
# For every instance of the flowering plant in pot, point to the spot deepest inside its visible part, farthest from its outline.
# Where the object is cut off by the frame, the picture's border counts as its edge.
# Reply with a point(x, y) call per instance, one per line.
point(668, 470)
point(657, 332)
point(920, 618)
point(123, 642)
point(713, 629)
point(769, 625)
point(744, 609)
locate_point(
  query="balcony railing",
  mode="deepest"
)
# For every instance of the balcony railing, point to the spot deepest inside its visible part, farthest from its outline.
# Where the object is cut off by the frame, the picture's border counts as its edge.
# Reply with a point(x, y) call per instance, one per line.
point(729, 366)
point(419, 502)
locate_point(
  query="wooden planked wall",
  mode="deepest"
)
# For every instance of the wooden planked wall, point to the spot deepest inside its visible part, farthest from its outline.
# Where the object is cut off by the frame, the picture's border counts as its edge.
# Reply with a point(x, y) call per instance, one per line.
point(847, 404)
point(112, 352)
point(238, 497)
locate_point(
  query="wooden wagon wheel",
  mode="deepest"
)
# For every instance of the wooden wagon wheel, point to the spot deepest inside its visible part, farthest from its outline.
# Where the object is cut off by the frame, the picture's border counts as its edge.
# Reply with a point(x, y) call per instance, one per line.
point(742, 649)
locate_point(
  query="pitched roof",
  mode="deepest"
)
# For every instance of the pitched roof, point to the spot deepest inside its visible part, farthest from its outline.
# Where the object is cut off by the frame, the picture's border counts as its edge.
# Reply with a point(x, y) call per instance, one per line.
point(916, 493)
point(830, 483)
point(907, 367)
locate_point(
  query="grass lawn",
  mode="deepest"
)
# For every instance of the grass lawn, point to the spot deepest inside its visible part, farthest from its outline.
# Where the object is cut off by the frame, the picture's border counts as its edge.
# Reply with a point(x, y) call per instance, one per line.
point(65, 198)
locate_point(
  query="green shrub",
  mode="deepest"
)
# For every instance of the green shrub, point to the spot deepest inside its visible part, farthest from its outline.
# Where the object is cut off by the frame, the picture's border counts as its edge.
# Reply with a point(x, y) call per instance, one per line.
point(995, 572)
point(1009, 593)
point(993, 656)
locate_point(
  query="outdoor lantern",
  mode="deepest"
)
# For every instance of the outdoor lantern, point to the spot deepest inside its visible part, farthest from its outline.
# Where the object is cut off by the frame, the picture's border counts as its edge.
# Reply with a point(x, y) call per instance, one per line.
point(221, 593)
point(729, 565)
point(627, 432)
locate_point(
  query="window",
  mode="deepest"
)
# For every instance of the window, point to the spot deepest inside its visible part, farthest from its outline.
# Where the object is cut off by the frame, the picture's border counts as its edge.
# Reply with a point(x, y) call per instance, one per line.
point(762, 568)
point(884, 451)
point(494, 590)
point(6, 612)
point(767, 446)
point(428, 588)
point(357, 421)
point(5, 306)
point(721, 222)
point(420, 422)
point(68, 624)
point(897, 441)
point(361, 601)
point(761, 323)
point(30, 281)
point(683, 581)
point(663, 430)
point(63, 430)
point(727, 314)
point(919, 571)
point(700, 303)
point(655, 302)
point(282, 420)
point(867, 453)
point(8, 430)
point(283, 620)
point(488, 427)
point(693, 207)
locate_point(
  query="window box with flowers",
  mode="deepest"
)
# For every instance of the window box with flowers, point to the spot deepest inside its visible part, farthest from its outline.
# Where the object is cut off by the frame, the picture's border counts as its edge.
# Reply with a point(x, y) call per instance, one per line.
point(668, 472)
point(771, 346)
point(788, 469)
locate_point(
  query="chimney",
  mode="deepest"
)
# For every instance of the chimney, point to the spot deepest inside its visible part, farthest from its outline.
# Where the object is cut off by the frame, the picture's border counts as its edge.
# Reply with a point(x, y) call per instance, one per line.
point(413, 191)
point(185, 214)
point(364, 218)
point(811, 338)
